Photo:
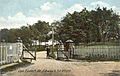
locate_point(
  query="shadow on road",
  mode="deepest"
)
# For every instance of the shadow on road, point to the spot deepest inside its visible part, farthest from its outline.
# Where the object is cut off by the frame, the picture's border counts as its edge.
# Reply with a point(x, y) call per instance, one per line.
point(113, 73)
point(15, 67)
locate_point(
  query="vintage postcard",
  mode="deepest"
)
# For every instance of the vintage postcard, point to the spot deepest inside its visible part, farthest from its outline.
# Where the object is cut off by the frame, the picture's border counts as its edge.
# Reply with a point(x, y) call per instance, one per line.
point(59, 37)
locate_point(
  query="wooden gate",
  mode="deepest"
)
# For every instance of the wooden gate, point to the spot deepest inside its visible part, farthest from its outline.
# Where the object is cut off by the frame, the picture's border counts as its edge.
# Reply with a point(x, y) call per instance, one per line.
point(28, 54)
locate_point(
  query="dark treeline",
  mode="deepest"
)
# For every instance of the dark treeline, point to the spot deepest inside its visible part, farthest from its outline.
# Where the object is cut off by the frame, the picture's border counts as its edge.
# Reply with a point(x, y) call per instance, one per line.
point(99, 25)
point(36, 31)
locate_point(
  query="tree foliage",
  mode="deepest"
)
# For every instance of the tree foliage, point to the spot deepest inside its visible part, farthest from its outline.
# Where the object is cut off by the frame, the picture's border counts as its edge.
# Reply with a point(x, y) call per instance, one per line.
point(98, 25)
point(36, 31)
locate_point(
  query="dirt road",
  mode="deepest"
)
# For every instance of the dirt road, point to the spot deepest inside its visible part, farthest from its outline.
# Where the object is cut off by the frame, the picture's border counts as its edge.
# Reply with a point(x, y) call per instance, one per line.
point(51, 67)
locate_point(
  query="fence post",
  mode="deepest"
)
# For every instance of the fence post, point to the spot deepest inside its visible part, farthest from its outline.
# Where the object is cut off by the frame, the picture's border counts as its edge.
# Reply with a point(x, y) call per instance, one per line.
point(1, 54)
point(6, 53)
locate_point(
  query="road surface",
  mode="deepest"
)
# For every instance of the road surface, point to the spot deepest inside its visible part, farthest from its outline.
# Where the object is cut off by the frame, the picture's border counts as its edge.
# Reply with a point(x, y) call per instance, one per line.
point(51, 67)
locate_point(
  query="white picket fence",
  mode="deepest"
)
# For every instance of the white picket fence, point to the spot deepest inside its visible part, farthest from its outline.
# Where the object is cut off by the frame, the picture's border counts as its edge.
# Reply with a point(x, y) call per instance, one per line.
point(97, 52)
point(10, 52)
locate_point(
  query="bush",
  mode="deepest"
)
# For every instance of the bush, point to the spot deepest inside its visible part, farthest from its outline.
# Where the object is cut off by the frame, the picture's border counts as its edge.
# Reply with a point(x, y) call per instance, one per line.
point(40, 48)
point(37, 48)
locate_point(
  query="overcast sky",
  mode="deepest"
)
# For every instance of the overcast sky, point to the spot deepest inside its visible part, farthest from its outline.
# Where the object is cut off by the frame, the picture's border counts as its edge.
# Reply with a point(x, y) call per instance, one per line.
point(16, 13)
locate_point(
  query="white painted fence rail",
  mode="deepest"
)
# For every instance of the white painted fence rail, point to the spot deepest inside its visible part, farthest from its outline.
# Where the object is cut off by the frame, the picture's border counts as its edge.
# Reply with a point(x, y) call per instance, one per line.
point(10, 52)
point(97, 52)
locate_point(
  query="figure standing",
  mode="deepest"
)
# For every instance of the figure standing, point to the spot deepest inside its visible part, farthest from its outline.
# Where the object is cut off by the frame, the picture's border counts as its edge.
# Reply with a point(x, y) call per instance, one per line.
point(48, 50)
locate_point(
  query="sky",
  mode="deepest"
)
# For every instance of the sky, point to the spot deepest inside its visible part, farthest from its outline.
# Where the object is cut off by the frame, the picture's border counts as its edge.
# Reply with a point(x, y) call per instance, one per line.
point(17, 13)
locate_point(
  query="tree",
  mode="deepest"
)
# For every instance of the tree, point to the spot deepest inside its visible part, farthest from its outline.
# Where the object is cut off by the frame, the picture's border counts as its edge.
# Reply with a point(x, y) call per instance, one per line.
point(4, 35)
point(107, 23)
point(37, 31)
point(98, 25)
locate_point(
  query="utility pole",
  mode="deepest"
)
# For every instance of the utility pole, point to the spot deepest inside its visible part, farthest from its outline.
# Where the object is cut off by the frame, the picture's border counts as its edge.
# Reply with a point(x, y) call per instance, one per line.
point(52, 38)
